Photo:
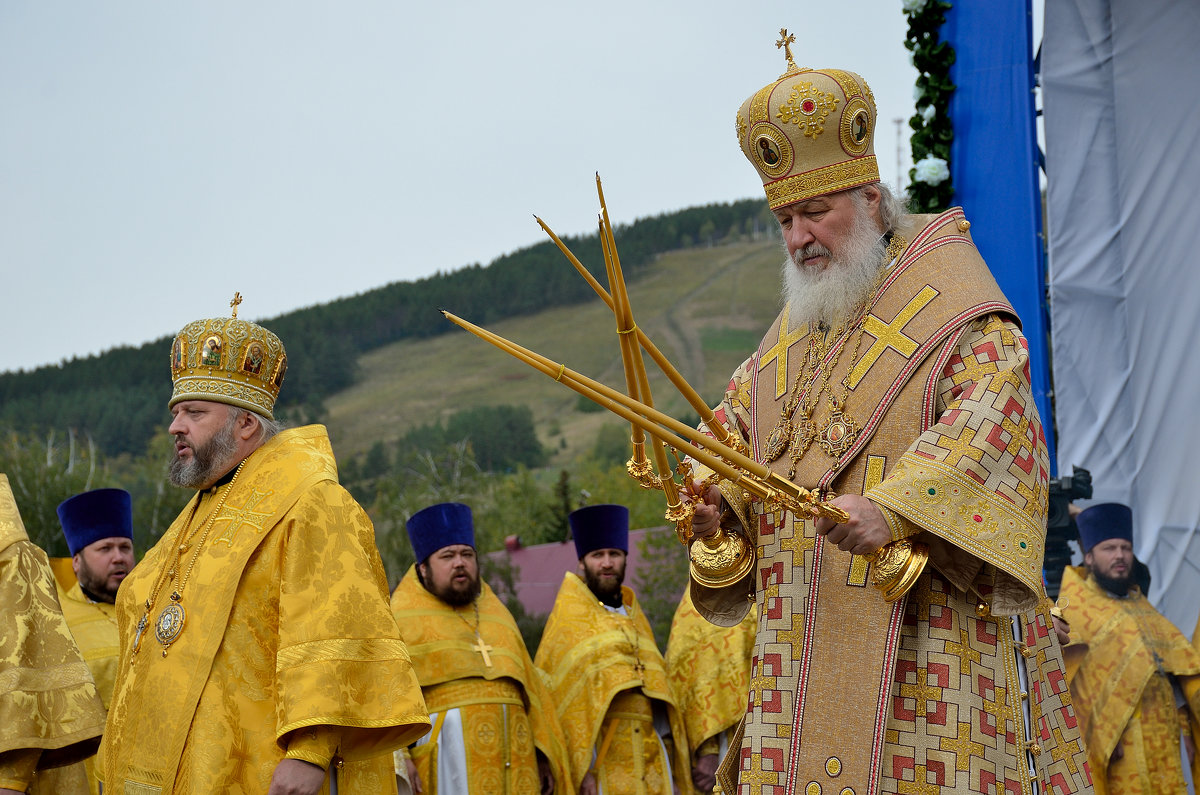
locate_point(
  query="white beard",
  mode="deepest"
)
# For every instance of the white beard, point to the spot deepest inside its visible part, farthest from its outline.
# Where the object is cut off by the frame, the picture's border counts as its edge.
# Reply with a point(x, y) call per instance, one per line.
point(838, 293)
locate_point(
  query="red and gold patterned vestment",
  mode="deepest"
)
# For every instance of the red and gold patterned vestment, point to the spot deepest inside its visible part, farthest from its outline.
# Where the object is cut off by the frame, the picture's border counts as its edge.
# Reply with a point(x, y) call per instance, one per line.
point(849, 694)
point(607, 676)
point(50, 713)
point(1122, 687)
point(289, 645)
point(506, 710)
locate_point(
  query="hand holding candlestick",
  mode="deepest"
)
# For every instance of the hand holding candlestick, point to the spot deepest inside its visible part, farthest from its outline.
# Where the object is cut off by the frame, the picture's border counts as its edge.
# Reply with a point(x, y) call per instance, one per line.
point(718, 558)
point(905, 560)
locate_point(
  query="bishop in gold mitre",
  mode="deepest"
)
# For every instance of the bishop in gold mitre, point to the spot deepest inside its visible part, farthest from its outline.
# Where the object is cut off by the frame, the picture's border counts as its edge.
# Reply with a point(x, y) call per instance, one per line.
point(258, 650)
point(50, 713)
point(494, 724)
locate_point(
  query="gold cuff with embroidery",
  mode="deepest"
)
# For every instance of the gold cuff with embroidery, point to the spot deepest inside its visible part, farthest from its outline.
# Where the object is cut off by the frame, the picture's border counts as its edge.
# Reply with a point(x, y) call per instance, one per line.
point(899, 525)
point(315, 745)
point(17, 767)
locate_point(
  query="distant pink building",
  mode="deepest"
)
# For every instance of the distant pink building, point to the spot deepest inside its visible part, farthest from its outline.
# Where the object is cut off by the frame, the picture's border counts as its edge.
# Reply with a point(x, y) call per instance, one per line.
point(539, 569)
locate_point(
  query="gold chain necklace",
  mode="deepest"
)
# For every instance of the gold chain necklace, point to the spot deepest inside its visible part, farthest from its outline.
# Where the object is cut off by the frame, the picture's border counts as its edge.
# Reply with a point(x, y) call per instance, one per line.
point(840, 430)
point(479, 646)
point(840, 423)
point(169, 624)
point(789, 427)
point(635, 642)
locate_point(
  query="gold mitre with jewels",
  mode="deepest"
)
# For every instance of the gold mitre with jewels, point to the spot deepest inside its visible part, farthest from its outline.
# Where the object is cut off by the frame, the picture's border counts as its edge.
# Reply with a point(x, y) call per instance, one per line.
point(228, 360)
point(810, 132)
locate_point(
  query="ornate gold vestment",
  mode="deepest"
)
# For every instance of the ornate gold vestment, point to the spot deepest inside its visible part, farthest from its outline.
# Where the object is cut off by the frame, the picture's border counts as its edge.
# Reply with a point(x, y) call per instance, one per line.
point(506, 708)
point(709, 668)
point(1121, 688)
point(938, 428)
point(288, 638)
point(94, 627)
point(604, 671)
point(50, 713)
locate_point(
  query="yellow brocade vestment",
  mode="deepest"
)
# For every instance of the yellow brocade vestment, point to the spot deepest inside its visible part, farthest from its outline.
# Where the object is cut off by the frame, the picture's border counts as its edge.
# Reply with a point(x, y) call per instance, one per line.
point(606, 676)
point(926, 409)
point(288, 644)
point(94, 627)
point(505, 707)
point(50, 713)
point(709, 668)
point(1122, 689)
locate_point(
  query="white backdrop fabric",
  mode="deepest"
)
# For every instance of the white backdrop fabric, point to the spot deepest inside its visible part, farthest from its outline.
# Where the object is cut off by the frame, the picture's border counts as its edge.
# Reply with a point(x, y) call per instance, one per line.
point(1122, 128)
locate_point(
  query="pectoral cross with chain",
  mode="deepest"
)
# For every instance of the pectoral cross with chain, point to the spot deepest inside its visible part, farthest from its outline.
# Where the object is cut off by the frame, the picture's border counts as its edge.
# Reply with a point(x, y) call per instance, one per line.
point(141, 627)
point(483, 650)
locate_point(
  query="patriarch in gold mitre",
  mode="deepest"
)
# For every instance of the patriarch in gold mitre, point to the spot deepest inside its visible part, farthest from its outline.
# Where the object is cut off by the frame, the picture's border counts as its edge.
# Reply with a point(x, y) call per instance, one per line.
point(895, 382)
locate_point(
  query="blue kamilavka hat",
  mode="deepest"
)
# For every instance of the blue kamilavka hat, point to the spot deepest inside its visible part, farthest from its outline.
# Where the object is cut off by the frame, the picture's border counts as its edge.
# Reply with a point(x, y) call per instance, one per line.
point(600, 527)
point(439, 526)
point(88, 517)
point(1104, 521)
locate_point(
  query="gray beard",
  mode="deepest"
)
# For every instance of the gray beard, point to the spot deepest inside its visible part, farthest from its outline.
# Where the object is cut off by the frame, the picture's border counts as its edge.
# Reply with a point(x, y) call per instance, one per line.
point(208, 462)
point(837, 294)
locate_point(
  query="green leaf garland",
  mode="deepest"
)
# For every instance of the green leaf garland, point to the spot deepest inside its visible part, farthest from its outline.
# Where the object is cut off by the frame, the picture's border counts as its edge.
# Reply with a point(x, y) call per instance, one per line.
point(931, 188)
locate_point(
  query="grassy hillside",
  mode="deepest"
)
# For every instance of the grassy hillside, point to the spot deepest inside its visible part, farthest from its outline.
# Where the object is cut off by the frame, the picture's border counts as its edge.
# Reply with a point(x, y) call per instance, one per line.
point(705, 308)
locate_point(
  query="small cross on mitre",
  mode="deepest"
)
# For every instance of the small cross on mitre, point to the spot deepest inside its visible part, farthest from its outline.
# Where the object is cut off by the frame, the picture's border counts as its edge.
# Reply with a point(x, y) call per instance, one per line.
point(786, 40)
point(237, 300)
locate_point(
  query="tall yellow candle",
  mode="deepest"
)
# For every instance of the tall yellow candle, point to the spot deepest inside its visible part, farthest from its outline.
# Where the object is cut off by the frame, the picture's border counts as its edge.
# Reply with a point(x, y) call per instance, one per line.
point(691, 395)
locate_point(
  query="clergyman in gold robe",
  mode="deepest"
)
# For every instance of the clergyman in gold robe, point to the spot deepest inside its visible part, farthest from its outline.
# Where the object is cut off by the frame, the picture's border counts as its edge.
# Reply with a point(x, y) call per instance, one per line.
point(709, 668)
point(897, 381)
point(258, 649)
point(494, 725)
point(1137, 683)
point(50, 713)
point(609, 681)
point(98, 526)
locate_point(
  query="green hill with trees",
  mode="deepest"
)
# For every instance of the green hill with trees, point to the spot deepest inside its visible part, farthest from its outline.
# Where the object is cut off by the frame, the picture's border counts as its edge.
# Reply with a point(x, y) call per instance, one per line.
point(420, 411)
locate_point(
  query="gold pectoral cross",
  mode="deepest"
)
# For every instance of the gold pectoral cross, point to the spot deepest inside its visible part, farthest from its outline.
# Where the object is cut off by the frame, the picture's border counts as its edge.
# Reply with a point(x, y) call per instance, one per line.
point(483, 650)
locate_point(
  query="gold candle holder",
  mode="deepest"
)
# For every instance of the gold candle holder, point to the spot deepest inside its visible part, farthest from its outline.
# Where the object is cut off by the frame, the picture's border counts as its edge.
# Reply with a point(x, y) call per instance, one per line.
point(897, 567)
point(725, 557)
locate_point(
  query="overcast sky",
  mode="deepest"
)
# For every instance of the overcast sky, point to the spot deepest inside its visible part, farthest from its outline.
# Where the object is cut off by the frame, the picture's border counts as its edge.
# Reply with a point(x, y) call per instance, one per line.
point(156, 157)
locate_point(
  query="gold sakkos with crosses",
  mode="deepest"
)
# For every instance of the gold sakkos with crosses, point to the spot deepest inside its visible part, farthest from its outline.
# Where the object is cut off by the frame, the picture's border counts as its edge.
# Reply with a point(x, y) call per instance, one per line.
point(851, 694)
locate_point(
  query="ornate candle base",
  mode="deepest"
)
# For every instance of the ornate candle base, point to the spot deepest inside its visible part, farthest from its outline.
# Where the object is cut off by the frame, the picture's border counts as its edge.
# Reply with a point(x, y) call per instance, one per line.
point(897, 567)
point(721, 559)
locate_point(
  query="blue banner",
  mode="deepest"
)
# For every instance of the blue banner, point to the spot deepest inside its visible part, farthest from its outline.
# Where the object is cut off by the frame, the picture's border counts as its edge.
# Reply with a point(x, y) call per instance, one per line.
point(994, 164)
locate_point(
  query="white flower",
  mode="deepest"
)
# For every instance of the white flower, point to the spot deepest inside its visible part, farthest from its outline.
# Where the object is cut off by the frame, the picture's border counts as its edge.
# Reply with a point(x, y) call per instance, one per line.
point(931, 170)
point(913, 6)
point(927, 113)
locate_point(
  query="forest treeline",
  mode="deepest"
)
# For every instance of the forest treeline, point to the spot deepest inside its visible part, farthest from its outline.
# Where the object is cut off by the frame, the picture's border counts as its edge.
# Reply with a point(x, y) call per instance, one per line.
point(117, 399)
